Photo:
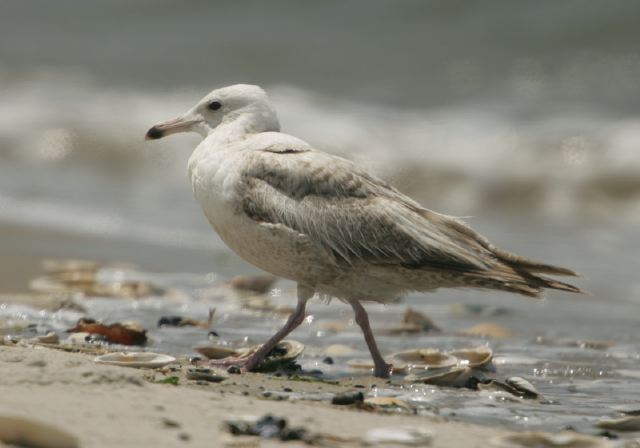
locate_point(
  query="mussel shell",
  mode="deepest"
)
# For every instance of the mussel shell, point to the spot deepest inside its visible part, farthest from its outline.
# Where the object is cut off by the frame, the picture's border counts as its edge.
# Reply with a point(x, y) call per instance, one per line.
point(147, 360)
point(523, 386)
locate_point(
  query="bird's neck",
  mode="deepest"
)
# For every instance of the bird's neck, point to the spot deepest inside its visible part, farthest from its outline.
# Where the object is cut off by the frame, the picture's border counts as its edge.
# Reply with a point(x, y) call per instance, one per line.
point(237, 128)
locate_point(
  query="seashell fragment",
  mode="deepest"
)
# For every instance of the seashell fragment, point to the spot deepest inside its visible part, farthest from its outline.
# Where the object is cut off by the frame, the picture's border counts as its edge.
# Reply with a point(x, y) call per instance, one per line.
point(49, 338)
point(515, 386)
point(547, 440)
point(147, 360)
point(388, 402)
point(453, 377)
point(475, 357)
point(628, 423)
point(401, 436)
point(260, 284)
point(20, 431)
point(488, 331)
point(427, 358)
point(420, 320)
point(206, 374)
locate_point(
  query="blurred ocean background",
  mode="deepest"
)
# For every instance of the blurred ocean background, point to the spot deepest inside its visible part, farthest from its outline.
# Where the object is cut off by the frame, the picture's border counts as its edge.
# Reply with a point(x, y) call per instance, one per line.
point(521, 115)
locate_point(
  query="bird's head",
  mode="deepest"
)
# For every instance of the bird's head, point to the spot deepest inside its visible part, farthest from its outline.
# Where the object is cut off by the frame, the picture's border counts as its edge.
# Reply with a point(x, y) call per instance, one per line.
point(242, 103)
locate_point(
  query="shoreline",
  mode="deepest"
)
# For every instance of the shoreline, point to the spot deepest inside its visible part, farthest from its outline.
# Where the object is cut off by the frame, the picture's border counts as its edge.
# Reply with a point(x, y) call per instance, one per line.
point(105, 406)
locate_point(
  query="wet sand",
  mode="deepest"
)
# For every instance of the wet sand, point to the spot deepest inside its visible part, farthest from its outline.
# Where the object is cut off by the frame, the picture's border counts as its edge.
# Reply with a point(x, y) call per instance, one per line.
point(106, 406)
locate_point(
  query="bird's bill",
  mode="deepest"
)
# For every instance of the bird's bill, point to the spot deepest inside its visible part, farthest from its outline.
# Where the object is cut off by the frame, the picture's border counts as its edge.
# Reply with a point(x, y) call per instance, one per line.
point(180, 124)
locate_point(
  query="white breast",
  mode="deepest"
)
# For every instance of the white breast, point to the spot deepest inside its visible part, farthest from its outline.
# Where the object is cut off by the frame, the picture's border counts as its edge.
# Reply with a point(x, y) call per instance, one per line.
point(215, 178)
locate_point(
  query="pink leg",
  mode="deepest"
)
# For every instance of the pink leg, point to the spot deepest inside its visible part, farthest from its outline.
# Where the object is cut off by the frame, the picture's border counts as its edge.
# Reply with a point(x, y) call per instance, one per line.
point(381, 369)
point(295, 319)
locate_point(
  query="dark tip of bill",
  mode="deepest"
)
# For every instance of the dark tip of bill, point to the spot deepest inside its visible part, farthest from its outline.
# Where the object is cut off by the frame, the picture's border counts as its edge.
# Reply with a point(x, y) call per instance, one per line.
point(153, 134)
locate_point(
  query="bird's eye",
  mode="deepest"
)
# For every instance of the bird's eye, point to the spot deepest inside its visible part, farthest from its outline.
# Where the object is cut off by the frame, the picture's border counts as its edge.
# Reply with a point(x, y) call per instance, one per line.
point(214, 105)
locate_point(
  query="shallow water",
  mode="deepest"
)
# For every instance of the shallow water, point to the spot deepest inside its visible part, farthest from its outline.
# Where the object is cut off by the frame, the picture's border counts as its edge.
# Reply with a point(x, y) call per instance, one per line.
point(579, 385)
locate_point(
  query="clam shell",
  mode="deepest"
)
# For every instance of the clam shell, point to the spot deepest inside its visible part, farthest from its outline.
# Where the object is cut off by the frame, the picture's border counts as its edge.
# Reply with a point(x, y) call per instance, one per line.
point(474, 357)
point(516, 386)
point(428, 358)
point(453, 377)
point(628, 423)
point(524, 386)
point(212, 351)
point(136, 359)
point(20, 431)
point(547, 440)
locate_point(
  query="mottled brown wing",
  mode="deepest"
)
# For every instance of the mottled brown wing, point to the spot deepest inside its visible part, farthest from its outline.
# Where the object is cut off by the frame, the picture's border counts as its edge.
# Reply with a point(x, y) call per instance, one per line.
point(351, 213)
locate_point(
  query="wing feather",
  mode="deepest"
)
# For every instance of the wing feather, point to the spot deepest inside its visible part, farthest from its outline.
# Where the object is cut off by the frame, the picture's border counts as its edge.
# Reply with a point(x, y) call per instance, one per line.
point(351, 213)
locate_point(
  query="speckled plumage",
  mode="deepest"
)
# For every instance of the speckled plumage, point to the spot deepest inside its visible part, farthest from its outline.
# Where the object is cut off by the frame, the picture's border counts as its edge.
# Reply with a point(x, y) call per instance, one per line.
point(327, 224)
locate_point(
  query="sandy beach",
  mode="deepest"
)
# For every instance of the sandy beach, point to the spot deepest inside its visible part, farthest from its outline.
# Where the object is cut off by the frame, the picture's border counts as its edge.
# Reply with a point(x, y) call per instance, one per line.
point(519, 118)
point(106, 406)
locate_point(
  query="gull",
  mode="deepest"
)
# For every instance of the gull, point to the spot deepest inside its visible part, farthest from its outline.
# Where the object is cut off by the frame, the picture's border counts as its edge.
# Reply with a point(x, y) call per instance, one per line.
point(330, 226)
